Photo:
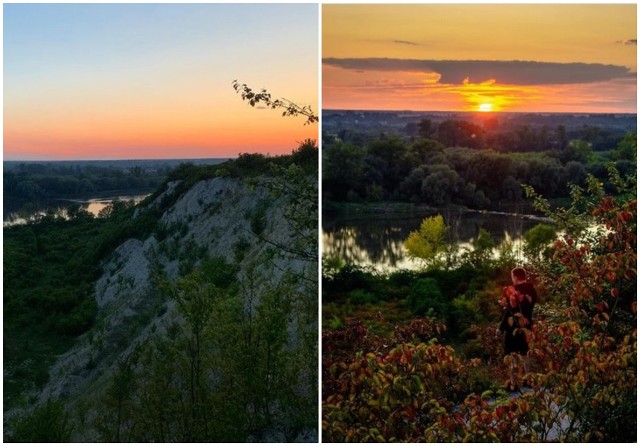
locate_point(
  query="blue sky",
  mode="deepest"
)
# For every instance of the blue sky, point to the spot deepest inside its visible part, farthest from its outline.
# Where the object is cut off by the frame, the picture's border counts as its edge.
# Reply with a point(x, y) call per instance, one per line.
point(81, 78)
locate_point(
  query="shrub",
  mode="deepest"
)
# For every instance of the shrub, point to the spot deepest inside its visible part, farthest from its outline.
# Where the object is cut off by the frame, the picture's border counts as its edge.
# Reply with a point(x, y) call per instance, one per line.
point(240, 249)
point(218, 272)
point(463, 313)
point(402, 278)
point(335, 323)
point(360, 297)
point(425, 298)
point(258, 219)
point(351, 277)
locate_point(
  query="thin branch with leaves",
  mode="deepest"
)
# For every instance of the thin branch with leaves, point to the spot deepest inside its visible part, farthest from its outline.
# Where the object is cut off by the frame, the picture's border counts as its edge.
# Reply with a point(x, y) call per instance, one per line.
point(263, 97)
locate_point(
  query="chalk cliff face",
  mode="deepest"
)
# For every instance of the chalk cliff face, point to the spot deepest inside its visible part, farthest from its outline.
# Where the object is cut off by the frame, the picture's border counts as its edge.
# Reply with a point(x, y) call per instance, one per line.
point(237, 219)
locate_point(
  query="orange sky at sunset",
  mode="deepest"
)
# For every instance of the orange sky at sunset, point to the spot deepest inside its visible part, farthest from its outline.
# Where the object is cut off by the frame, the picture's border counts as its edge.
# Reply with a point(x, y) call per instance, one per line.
point(219, 126)
point(519, 58)
point(125, 81)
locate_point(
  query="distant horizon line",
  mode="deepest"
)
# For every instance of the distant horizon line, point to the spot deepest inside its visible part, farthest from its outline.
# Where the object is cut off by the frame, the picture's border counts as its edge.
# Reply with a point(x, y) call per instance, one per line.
point(477, 112)
point(55, 160)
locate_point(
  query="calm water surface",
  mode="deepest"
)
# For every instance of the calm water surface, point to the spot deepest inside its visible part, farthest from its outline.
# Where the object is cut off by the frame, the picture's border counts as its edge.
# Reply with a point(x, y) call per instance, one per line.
point(378, 241)
point(93, 205)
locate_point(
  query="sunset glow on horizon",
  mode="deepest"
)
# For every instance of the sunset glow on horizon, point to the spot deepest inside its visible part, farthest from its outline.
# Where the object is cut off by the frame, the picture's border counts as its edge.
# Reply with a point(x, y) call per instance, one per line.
point(118, 81)
point(487, 58)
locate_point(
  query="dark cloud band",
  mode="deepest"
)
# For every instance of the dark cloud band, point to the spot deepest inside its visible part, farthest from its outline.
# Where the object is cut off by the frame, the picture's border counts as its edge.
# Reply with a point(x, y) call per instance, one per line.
point(514, 72)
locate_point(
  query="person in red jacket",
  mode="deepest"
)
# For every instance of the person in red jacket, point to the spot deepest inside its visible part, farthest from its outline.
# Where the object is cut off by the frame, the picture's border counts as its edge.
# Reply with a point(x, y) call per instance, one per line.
point(518, 303)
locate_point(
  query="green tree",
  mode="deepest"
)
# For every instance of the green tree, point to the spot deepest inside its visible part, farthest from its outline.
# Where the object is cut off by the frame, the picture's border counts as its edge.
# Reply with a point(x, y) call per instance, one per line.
point(483, 246)
point(561, 137)
point(113, 423)
point(389, 156)
point(575, 172)
point(456, 133)
point(195, 298)
point(343, 168)
point(440, 185)
point(425, 128)
point(627, 148)
point(577, 150)
point(423, 151)
point(538, 241)
point(299, 187)
point(429, 241)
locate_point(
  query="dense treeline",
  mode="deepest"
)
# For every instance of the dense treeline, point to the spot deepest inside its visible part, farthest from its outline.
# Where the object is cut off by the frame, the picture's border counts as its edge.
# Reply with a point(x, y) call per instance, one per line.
point(37, 181)
point(459, 165)
point(489, 133)
point(503, 132)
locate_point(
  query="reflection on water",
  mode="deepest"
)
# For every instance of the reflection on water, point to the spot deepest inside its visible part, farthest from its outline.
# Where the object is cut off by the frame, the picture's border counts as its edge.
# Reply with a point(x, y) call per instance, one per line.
point(92, 205)
point(95, 205)
point(379, 242)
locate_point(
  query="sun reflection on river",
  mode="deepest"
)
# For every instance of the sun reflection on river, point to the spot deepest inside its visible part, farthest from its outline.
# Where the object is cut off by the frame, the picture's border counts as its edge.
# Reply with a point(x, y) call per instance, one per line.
point(379, 244)
point(92, 205)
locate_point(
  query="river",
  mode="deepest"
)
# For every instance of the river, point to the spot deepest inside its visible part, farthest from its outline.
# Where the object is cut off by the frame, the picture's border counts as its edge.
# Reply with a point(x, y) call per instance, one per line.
point(378, 241)
point(59, 208)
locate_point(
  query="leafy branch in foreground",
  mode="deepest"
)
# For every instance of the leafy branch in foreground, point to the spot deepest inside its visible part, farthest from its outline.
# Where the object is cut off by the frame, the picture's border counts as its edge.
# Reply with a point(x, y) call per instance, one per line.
point(290, 108)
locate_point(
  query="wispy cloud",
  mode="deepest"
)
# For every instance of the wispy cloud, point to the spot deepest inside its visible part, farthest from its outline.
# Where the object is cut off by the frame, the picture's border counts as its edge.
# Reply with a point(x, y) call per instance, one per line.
point(514, 72)
point(406, 42)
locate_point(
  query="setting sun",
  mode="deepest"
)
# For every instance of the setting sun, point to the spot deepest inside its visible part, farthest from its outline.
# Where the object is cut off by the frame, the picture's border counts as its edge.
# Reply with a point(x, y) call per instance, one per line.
point(388, 60)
